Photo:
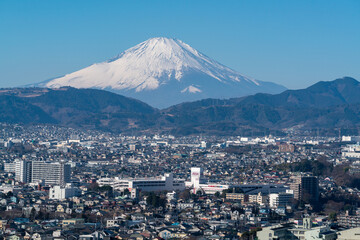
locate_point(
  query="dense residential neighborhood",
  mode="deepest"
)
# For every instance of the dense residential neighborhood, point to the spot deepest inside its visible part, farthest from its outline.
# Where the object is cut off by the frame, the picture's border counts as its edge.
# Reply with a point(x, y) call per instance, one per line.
point(62, 183)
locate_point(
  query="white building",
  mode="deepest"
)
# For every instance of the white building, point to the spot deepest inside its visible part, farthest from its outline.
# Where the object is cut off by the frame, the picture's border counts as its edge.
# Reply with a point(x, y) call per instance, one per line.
point(259, 198)
point(350, 139)
point(5, 188)
point(39, 171)
point(51, 173)
point(290, 231)
point(165, 183)
point(280, 199)
point(10, 167)
point(67, 191)
point(307, 231)
point(198, 183)
point(205, 144)
point(23, 171)
point(197, 177)
point(351, 151)
point(170, 196)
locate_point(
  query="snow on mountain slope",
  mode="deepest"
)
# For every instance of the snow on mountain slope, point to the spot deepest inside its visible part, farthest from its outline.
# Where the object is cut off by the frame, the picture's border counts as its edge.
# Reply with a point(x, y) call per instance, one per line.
point(157, 71)
point(191, 89)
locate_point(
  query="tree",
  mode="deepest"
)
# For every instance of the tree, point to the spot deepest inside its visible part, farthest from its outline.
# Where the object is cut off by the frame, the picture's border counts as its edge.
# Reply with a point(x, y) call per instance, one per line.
point(155, 200)
point(332, 216)
point(32, 214)
point(126, 191)
point(94, 186)
point(185, 195)
point(108, 190)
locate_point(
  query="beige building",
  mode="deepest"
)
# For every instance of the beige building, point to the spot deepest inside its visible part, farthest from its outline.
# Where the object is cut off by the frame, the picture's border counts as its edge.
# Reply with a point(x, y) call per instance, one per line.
point(350, 234)
point(259, 198)
point(72, 221)
point(238, 196)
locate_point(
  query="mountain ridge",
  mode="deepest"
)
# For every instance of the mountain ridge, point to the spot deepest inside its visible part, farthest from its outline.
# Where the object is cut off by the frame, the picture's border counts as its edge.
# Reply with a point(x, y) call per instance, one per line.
point(312, 109)
point(324, 105)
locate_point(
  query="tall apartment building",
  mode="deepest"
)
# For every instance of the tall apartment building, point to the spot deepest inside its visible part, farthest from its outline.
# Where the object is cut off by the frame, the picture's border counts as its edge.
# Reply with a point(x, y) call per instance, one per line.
point(305, 188)
point(37, 171)
point(52, 173)
point(23, 171)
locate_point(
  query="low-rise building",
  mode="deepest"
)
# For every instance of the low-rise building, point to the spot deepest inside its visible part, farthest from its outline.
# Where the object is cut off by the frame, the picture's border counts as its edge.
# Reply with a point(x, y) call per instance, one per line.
point(63, 192)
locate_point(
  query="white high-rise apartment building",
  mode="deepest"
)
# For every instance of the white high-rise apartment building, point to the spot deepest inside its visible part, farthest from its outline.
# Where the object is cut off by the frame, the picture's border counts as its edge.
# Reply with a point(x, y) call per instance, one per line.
point(50, 173)
point(38, 171)
point(23, 171)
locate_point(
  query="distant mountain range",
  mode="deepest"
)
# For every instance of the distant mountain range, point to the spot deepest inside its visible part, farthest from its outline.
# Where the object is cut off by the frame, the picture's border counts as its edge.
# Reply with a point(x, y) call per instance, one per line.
point(163, 72)
point(324, 105)
point(86, 108)
point(334, 104)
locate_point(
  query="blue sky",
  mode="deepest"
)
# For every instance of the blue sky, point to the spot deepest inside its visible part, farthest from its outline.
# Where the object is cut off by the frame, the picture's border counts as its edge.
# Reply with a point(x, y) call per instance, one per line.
point(294, 43)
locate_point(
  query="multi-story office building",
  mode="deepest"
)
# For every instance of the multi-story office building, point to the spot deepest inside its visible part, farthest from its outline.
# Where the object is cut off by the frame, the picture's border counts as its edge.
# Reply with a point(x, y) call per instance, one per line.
point(305, 188)
point(39, 171)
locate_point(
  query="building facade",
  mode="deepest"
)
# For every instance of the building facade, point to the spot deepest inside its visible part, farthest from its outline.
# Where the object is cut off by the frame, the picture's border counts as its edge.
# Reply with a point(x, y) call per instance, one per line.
point(63, 192)
point(39, 171)
point(305, 188)
point(280, 199)
point(23, 171)
point(165, 183)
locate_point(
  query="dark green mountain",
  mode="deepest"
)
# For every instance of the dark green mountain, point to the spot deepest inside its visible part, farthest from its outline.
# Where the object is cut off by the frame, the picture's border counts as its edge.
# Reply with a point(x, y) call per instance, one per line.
point(88, 108)
point(324, 105)
point(322, 94)
point(16, 110)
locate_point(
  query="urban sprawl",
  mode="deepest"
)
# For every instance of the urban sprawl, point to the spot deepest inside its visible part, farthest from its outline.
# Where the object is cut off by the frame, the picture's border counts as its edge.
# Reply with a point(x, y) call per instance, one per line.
point(62, 184)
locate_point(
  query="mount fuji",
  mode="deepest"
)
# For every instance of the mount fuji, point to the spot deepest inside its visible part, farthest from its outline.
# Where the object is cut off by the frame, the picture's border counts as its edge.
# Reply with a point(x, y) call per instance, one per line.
point(163, 72)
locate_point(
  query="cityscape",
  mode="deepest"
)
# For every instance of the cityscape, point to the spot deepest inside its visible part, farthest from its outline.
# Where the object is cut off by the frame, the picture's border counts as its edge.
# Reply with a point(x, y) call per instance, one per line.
point(66, 183)
point(179, 120)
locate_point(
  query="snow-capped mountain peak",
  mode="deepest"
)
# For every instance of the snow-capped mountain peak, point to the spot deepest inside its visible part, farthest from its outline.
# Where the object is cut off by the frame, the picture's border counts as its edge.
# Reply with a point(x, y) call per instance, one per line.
point(191, 89)
point(159, 63)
